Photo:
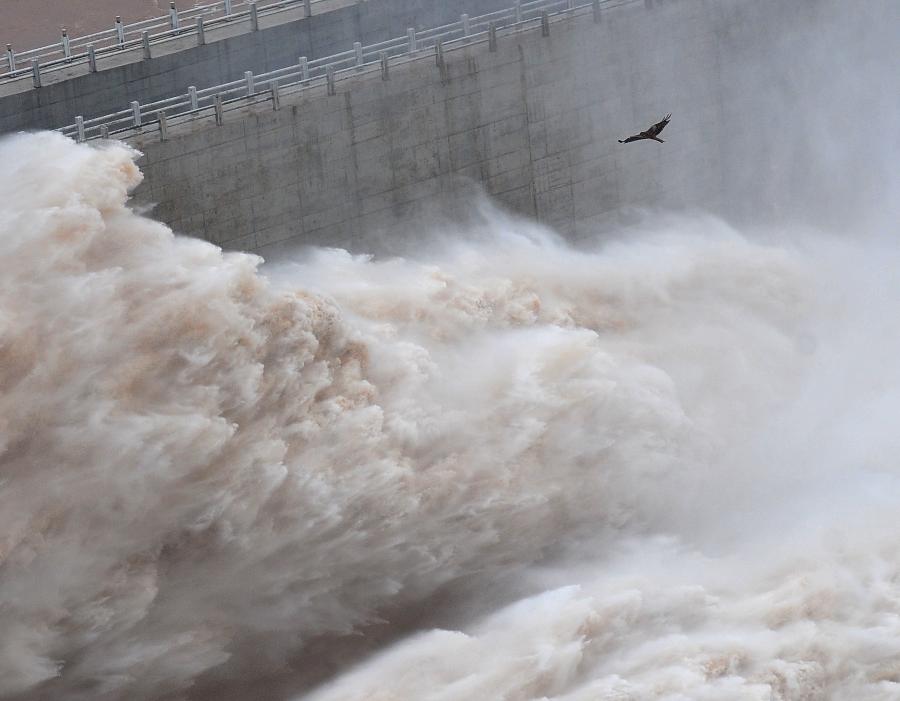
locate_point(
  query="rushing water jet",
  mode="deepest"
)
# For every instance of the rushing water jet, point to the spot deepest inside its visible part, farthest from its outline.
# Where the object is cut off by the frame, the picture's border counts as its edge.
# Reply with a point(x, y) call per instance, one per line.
point(690, 430)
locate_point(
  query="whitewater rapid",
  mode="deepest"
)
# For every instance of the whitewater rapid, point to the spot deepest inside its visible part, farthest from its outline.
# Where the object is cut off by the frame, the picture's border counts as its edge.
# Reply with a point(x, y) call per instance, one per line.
point(664, 467)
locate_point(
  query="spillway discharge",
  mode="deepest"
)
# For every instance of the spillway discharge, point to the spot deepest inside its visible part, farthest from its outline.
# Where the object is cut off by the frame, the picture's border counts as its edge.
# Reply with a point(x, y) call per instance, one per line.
point(665, 436)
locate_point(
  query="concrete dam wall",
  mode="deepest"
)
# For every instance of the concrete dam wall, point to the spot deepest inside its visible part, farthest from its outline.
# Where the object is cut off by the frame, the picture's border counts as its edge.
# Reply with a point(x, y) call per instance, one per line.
point(230, 50)
point(536, 122)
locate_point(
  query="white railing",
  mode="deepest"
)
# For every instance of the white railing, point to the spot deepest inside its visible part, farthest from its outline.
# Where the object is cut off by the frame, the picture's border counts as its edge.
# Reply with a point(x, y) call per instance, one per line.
point(268, 86)
point(177, 23)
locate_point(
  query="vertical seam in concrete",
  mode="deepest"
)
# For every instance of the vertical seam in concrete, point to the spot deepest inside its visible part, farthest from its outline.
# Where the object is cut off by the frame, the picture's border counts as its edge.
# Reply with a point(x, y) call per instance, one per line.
point(354, 162)
point(295, 145)
point(523, 81)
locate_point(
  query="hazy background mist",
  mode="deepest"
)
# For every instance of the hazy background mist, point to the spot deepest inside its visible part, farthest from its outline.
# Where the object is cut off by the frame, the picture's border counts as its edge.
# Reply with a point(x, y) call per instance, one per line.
point(810, 113)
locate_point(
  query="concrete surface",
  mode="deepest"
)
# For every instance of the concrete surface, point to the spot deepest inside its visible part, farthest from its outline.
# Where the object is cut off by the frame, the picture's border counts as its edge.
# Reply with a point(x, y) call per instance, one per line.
point(229, 51)
point(536, 123)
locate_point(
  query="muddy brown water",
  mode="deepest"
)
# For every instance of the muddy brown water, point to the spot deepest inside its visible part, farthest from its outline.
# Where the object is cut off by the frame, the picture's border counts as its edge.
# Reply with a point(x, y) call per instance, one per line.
point(27, 24)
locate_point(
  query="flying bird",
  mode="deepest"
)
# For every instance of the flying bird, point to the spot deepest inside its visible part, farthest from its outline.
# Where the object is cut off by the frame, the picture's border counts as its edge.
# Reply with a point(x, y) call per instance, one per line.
point(651, 133)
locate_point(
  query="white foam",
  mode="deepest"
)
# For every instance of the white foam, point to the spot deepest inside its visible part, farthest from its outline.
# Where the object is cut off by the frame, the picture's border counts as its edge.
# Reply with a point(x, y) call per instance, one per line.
point(200, 462)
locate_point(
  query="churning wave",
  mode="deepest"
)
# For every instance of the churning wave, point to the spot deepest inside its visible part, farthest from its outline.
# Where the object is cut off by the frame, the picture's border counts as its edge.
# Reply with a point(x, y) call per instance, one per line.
point(661, 468)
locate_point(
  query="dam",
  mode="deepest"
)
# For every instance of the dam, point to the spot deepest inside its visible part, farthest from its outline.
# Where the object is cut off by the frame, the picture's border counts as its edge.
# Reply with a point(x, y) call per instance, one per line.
point(504, 409)
point(386, 109)
point(523, 99)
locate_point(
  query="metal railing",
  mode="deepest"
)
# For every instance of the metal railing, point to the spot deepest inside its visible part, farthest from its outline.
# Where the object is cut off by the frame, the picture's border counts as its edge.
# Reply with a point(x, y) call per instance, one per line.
point(329, 69)
point(121, 37)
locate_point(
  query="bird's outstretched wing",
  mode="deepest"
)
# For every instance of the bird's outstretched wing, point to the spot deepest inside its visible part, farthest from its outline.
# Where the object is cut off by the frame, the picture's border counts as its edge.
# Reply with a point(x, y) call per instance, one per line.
point(659, 126)
point(651, 133)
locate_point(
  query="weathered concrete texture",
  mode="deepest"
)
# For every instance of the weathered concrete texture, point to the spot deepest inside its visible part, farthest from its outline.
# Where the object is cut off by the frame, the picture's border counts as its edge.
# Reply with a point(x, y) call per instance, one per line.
point(536, 123)
point(185, 64)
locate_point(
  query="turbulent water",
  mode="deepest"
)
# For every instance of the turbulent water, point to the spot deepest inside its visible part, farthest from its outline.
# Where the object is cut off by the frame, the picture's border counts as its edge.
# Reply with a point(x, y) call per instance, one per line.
point(661, 468)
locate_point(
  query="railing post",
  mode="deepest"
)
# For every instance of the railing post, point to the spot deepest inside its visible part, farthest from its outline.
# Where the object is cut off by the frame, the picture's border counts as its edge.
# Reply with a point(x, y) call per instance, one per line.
point(145, 41)
point(307, 8)
point(10, 58)
point(201, 32)
point(545, 24)
point(304, 70)
point(36, 72)
point(136, 113)
point(492, 37)
point(329, 79)
point(251, 88)
point(192, 95)
point(220, 113)
point(104, 131)
point(570, 6)
point(92, 58)
point(595, 6)
point(173, 17)
point(411, 35)
point(518, 11)
point(385, 66)
point(228, 9)
point(439, 52)
point(120, 32)
point(66, 47)
point(163, 126)
point(79, 124)
point(254, 18)
point(466, 27)
point(357, 48)
point(276, 95)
